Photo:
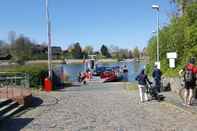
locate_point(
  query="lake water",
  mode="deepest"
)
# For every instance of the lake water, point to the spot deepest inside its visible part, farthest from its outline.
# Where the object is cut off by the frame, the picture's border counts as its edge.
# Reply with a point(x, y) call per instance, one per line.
point(133, 69)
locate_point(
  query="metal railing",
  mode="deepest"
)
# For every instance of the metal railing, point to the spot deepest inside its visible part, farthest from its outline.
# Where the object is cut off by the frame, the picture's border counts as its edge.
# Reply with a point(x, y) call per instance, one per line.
point(13, 84)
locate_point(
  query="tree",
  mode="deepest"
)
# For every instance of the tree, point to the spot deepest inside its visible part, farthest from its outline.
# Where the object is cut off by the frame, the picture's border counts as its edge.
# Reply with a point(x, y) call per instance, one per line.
point(123, 53)
point(76, 51)
point(180, 36)
point(114, 51)
point(105, 51)
point(136, 53)
point(182, 5)
point(21, 49)
point(4, 48)
point(88, 50)
point(130, 55)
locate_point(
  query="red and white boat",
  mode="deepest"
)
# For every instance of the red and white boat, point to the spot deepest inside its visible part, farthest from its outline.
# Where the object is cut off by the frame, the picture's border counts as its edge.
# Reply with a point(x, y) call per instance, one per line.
point(111, 76)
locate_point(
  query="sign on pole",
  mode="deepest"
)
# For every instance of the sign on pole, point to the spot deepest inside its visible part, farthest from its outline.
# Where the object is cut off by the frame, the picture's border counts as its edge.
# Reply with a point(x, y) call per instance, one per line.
point(172, 56)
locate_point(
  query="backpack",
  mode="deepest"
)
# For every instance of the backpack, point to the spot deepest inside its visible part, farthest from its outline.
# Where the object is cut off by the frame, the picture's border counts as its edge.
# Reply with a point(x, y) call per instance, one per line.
point(189, 75)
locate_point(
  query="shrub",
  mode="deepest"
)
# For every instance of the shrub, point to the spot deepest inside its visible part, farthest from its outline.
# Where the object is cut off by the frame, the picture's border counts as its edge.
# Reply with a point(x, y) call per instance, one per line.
point(36, 73)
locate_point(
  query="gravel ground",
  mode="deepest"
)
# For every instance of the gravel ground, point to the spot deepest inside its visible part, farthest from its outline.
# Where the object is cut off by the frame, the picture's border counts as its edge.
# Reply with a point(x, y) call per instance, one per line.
point(100, 108)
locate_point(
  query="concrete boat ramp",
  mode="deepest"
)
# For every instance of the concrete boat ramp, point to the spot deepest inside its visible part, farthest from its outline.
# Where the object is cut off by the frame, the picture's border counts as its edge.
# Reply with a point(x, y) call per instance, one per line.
point(101, 107)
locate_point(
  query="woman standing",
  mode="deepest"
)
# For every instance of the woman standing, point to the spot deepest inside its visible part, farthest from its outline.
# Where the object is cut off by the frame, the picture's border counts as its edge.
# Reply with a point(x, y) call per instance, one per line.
point(142, 79)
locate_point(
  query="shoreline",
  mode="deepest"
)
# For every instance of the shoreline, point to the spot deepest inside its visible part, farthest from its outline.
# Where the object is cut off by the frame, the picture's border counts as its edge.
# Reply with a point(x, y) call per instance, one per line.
point(69, 61)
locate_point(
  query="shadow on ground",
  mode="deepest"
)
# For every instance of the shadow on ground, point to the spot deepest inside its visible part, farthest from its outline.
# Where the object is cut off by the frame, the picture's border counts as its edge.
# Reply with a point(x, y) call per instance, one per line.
point(36, 101)
point(194, 102)
point(15, 124)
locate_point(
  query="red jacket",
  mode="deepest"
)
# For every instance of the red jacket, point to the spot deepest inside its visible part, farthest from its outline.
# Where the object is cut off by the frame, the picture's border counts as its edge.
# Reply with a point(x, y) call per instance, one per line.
point(192, 67)
point(194, 70)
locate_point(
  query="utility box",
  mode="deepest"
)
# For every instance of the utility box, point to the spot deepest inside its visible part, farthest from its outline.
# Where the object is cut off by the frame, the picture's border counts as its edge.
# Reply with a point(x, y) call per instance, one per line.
point(172, 56)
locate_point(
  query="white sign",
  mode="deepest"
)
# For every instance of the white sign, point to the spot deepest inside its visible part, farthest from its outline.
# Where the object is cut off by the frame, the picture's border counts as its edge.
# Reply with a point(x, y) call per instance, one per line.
point(172, 63)
point(172, 55)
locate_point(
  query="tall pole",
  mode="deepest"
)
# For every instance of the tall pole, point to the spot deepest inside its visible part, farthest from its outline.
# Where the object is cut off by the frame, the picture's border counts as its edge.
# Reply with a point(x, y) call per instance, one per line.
point(156, 7)
point(49, 40)
point(158, 35)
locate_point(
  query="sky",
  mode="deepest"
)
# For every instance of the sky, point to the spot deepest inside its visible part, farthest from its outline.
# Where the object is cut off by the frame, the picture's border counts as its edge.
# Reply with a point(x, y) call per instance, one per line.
point(123, 23)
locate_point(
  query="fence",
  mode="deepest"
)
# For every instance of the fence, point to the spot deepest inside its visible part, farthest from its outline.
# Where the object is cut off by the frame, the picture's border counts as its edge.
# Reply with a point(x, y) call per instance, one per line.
point(13, 84)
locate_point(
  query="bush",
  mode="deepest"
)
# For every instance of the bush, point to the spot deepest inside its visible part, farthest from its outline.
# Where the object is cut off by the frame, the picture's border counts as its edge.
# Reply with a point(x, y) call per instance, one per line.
point(36, 73)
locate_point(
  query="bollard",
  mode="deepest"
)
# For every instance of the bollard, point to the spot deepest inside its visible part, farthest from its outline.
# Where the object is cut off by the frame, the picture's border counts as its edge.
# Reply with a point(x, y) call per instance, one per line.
point(47, 85)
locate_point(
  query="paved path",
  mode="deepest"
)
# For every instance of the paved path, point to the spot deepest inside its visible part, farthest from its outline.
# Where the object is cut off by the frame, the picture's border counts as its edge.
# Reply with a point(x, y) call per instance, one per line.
point(101, 108)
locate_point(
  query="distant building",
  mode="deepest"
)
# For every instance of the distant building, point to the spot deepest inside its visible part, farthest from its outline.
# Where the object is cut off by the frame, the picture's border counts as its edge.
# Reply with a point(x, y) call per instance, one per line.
point(43, 49)
point(40, 49)
point(56, 52)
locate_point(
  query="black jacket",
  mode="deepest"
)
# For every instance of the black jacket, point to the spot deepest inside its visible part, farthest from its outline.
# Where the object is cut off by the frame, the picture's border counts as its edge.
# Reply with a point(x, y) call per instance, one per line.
point(157, 74)
point(142, 79)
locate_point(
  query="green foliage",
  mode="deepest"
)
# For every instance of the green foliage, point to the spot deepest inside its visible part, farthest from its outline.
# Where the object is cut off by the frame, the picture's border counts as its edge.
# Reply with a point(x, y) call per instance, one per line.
point(88, 50)
point(136, 53)
point(149, 69)
point(179, 36)
point(39, 56)
point(74, 52)
point(37, 73)
point(182, 5)
point(132, 87)
point(105, 51)
point(21, 49)
point(77, 51)
point(4, 48)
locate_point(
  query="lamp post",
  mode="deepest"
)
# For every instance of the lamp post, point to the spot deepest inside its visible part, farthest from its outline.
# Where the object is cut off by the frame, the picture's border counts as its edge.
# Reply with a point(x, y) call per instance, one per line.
point(156, 7)
point(49, 40)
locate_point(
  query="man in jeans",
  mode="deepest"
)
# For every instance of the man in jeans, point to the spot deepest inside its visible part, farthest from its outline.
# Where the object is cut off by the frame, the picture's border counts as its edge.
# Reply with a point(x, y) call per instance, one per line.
point(157, 78)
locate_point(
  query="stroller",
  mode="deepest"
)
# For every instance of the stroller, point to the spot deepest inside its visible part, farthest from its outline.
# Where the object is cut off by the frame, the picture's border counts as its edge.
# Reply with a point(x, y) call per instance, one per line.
point(153, 93)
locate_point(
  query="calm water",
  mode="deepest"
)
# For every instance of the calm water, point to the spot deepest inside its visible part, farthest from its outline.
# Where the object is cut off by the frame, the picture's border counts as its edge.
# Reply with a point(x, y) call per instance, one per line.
point(74, 69)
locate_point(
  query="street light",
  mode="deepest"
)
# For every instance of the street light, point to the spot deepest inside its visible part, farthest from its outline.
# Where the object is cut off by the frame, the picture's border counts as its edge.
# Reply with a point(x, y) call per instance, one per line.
point(156, 7)
point(49, 40)
point(154, 32)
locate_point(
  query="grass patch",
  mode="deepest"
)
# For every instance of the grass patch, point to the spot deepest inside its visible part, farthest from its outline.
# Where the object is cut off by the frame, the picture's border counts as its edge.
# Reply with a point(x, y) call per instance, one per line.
point(132, 87)
point(67, 84)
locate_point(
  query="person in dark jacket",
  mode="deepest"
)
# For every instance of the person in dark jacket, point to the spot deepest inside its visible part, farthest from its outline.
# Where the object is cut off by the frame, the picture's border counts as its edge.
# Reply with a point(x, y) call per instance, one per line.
point(157, 78)
point(142, 79)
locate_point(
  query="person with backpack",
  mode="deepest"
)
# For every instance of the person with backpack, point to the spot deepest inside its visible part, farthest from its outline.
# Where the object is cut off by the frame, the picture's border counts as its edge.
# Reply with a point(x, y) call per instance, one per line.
point(157, 78)
point(189, 78)
point(142, 79)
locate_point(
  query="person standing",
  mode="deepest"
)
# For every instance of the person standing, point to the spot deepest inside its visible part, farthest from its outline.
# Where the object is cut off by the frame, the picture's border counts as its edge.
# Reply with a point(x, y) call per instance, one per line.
point(142, 79)
point(189, 81)
point(157, 78)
